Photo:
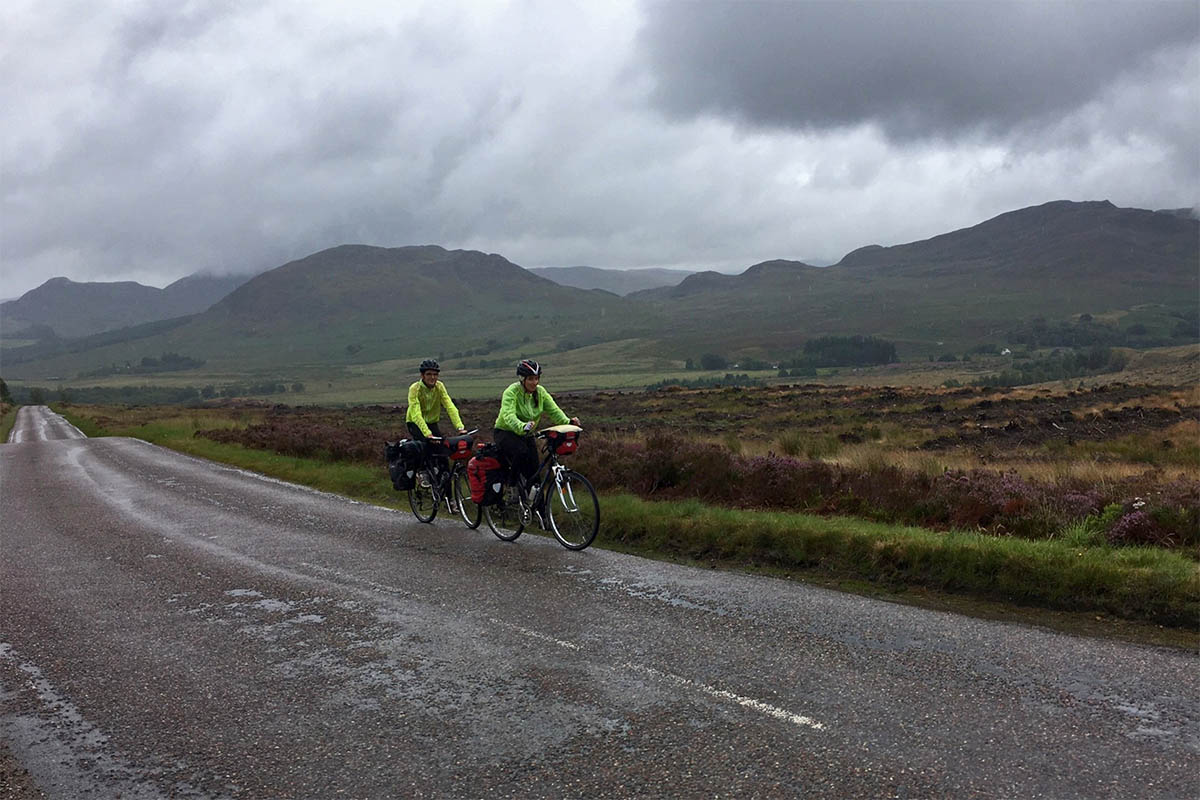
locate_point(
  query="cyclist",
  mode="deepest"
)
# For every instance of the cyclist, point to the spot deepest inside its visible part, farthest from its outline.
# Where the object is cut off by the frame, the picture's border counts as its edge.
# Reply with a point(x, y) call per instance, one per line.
point(521, 406)
point(426, 399)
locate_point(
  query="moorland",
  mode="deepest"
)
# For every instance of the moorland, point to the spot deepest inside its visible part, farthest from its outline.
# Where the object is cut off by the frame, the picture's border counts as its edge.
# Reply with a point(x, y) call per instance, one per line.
point(1081, 499)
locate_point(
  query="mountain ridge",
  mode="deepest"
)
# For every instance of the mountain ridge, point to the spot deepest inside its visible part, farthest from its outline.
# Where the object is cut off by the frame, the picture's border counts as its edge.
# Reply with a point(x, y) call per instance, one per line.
point(76, 309)
point(355, 304)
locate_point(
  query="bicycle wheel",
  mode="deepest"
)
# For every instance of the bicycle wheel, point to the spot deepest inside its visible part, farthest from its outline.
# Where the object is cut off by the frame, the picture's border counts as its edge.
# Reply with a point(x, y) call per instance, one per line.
point(505, 519)
point(470, 513)
point(421, 497)
point(574, 511)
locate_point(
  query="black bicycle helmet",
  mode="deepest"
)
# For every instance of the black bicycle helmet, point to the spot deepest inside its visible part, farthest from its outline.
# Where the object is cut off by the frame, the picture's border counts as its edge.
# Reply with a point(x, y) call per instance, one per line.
point(429, 364)
point(527, 367)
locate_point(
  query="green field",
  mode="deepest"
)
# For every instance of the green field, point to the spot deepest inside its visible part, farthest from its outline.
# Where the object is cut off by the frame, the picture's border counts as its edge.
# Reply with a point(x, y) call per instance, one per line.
point(618, 365)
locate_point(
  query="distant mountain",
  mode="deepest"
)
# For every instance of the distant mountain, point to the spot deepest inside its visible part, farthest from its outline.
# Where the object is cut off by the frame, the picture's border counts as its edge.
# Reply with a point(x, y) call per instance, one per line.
point(73, 309)
point(1093, 240)
point(418, 287)
point(198, 292)
point(1053, 260)
point(354, 305)
point(617, 281)
point(358, 304)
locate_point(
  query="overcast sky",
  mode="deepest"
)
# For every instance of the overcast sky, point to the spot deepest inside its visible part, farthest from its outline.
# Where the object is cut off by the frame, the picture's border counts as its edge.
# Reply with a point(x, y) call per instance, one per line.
point(147, 140)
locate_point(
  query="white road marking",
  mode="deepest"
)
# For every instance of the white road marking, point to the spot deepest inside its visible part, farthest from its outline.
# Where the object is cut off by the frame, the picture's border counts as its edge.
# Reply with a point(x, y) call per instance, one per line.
point(721, 694)
point(534, 634)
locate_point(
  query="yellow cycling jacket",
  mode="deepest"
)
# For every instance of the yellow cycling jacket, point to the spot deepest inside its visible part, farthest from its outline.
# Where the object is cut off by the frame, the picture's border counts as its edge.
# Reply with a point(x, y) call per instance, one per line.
point(518, 407)
point(425, 406)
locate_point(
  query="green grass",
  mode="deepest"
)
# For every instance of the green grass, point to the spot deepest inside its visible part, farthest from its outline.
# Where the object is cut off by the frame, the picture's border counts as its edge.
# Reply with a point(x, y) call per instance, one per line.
point(1133, 583)
point(1136, 448)
point(1070, 573)
point(8, 417)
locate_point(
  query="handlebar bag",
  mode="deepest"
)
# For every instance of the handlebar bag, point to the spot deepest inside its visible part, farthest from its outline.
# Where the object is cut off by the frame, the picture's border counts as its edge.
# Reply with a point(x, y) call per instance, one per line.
point(460, 447)
point(563, 442)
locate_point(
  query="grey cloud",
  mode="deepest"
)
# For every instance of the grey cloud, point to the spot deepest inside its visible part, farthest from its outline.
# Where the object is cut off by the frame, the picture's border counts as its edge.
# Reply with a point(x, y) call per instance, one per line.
point(918, 69)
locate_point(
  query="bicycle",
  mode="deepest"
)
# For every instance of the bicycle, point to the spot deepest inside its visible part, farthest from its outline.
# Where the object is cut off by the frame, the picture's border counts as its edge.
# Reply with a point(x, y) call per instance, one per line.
point(434, 484)
point(562, 498)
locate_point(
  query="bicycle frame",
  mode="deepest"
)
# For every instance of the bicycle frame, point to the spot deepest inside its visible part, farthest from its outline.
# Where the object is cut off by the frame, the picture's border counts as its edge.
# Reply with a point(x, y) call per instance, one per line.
point(441, 487)
point(547, 477)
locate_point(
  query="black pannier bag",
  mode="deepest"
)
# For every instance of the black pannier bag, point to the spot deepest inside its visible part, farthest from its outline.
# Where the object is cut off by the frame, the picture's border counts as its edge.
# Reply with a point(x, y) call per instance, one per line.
point(403, 459)
point(486, 474)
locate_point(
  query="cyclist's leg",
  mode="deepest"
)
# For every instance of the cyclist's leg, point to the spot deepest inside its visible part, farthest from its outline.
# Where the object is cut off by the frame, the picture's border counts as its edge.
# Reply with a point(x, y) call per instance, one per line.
point(520, 456)
point(443, 462)
point(418, 436)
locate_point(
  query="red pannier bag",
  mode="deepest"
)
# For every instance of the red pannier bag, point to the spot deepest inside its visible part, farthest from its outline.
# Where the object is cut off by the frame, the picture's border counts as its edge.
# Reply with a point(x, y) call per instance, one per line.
point(563, 442)
point(485, 474)
point(460, 447)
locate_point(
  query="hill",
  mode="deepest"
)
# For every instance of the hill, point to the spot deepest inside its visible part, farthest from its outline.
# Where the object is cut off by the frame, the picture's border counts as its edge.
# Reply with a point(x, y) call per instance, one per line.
point(70, 309)
point(617, 281)
point(353, 305)
point(356, 304)
point(968, 286)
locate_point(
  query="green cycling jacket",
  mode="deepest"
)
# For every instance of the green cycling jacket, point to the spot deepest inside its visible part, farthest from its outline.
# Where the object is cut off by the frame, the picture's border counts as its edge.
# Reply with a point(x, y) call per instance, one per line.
point(425, 406)
point(518, 407)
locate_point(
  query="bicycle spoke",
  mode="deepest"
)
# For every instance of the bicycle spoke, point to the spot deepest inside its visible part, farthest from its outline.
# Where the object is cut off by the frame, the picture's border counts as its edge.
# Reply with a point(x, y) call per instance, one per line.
point(423, 497)
point(471, 514)
point(505, 519)
point(573, 510)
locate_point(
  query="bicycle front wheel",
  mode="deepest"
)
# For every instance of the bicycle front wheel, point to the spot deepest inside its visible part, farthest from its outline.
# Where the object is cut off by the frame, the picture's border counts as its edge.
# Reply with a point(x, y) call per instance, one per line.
point(574, 511)
point(470, 513)
point(505, 519)
point(421, 497)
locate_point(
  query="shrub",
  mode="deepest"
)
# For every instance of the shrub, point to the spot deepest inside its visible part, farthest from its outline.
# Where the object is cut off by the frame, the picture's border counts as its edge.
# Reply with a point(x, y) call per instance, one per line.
point(1138, 527)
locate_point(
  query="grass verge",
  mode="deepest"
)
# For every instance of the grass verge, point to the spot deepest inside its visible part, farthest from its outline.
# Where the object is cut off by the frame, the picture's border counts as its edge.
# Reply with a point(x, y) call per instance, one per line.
point(1130, 583)
point(8, 418)
point(1139, 583)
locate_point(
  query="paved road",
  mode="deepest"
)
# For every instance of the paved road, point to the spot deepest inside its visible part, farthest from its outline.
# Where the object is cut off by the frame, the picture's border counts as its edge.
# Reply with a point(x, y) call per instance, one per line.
point(173, 627)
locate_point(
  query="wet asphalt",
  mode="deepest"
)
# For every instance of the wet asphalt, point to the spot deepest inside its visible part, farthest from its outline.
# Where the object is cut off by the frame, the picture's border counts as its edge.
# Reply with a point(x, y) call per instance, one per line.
point(171, 627)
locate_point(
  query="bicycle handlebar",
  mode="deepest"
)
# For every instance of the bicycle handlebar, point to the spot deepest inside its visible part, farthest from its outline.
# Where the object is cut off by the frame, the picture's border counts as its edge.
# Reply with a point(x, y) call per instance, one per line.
point(444, 438)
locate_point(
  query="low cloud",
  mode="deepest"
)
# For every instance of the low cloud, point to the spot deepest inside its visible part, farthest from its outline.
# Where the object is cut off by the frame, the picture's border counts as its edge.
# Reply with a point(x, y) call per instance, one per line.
point(147, 145)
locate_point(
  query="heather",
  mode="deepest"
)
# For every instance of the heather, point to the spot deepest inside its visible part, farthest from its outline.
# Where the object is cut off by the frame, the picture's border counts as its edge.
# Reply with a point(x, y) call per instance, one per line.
point(663, 465)
point(996, 503)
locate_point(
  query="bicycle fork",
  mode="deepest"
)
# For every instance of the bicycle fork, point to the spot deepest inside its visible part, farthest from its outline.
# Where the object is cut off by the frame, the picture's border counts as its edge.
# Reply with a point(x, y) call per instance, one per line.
point(565, 493)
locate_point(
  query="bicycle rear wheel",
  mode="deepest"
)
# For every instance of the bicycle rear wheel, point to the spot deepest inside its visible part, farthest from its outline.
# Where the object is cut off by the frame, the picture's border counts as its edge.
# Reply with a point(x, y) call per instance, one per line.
point(574, 511)
point(505, 518)
point(470, 513)
point(421, 497)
